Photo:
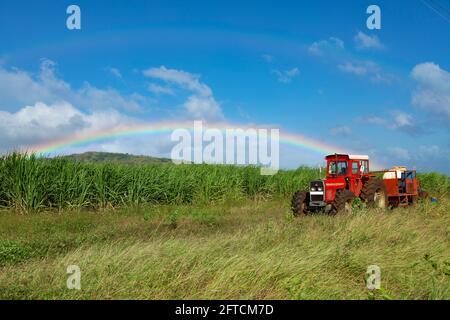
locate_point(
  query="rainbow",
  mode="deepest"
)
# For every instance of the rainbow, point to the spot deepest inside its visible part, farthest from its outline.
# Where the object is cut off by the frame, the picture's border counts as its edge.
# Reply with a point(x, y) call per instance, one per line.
point(158, 128)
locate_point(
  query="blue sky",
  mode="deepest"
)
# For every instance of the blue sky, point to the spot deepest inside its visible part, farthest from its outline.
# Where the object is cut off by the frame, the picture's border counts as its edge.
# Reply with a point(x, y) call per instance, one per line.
point(309, 67)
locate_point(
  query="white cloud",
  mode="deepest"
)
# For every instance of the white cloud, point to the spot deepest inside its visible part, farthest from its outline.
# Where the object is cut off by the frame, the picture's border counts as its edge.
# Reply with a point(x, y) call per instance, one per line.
point(157, 89)
point(325, 46)
point(201, 104)
point(381, 77)
point(286, 76)
point(399, 153)
point(421, 157)
point(39, 107)
point(115, 72)
point(19, 88)
point(341, 131)
point(200, 107)
point(267, 57)
point(36, 108)
point(402, 119)
point(349, 67)
point(366, 68)
point(379, 121)
point(364, 41)
point(333, 50)
point(398, 120)
point(431, 151)
point(433, 90)
point(99, 99)
point(182, 78)
point(40, 122)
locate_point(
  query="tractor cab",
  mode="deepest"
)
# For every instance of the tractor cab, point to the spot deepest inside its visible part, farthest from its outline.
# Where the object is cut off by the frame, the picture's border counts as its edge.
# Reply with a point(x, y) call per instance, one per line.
point(342, 165)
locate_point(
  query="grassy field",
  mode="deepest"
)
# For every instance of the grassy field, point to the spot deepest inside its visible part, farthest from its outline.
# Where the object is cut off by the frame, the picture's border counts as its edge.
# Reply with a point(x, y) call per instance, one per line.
point(249, 249)
point(163, 231)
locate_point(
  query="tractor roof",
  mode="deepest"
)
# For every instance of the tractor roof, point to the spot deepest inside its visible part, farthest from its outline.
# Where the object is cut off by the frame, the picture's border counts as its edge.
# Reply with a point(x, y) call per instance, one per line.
point(358, 156)
point(348, 156)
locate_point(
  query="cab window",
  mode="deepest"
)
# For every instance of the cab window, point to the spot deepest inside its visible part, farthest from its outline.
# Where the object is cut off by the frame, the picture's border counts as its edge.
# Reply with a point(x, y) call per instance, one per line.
point(338, 168)
point(354, 167)
point(364, 165)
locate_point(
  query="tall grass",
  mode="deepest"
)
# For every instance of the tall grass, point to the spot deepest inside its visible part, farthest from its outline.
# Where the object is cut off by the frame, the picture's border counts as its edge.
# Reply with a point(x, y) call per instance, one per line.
point(28, 183)
point(249, 250)
point(435, 182)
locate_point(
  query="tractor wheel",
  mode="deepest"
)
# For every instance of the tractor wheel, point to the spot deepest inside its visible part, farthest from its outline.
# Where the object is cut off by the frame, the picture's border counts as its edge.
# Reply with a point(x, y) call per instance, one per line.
point(343, 202)
point(299, 203)
point(374, 193)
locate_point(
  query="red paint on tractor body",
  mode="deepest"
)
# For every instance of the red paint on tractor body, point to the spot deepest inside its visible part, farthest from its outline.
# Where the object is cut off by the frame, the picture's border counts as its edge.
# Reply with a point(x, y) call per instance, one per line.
point(345, 173)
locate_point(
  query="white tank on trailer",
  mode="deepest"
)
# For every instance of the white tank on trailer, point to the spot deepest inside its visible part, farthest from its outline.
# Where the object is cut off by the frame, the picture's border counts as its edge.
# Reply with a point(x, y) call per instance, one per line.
point(394, 173)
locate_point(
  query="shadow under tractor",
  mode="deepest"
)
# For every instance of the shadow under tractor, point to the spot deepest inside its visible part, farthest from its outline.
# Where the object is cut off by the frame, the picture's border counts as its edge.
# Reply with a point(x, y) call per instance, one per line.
point(348, 177)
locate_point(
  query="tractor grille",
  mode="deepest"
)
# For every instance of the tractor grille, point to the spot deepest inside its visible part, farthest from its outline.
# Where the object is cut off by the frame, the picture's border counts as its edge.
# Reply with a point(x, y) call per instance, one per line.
point(314, 186)
point(316, 197)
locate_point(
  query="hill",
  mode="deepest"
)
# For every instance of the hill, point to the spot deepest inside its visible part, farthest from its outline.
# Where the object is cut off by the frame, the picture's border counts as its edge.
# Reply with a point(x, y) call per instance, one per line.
point(123, 158)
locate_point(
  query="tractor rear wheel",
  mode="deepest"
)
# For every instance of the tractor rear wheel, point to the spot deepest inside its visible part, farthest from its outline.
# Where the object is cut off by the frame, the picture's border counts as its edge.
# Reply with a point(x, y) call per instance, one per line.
point(374, 193)
point(343, 202)
point(300, 202)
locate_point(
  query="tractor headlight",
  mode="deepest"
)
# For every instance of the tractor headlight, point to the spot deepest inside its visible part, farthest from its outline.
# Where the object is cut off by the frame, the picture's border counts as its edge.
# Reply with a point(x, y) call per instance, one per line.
point(319, 189)
point(313, 189)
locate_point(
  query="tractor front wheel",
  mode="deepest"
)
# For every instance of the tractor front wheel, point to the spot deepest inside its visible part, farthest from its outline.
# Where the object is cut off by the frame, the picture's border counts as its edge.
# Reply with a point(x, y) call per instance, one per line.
point(300, 202)
point(343, 202)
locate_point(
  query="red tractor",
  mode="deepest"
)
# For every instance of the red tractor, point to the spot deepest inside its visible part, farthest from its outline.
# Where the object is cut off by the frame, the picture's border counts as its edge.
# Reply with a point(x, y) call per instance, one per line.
point(347, 178)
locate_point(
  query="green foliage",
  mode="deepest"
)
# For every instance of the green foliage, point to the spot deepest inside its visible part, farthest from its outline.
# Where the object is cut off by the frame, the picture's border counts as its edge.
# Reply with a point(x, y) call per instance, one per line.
point(28, 183)
point(379, 294)
point(173, 218)
point(441, 268)
point(435, 183)
point(358, 205)
point(13, 252)
point(147, 216)
point(294, 288)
